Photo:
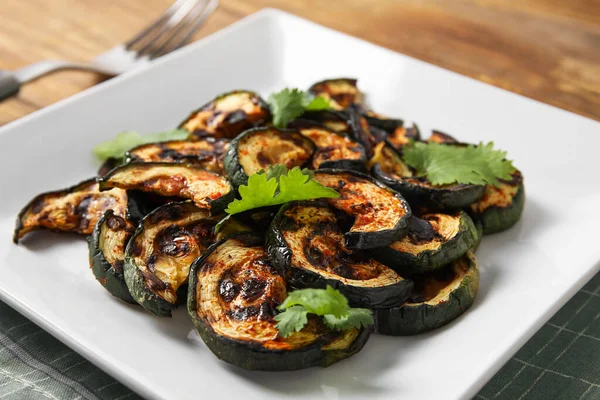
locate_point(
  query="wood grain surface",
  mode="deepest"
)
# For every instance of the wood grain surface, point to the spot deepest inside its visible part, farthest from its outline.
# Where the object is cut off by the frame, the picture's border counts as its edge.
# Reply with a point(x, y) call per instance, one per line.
point(548, 50)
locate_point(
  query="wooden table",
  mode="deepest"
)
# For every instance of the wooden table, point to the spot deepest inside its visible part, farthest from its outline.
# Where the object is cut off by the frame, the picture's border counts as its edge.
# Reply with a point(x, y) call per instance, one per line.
point(548, 50)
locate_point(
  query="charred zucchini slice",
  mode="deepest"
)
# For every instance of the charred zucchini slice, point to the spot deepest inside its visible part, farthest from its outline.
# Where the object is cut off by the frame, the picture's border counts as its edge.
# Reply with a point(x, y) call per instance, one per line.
point(341, 92)
point(76, 209)
point(380, 213)
point(232, 300)
point(107, 253)
point(206, 153)
point(387, 166)
point(306, 240)
point(438, 298)
point(441, 138)
point(500, 207)
point(336, 121)
point(259, 148)
point(361, 132)
point(402, 136)
point(159, 254)
point(185, 181)
point(433, 241)
point(228, 115)
point(389, 125)
point(333, 149)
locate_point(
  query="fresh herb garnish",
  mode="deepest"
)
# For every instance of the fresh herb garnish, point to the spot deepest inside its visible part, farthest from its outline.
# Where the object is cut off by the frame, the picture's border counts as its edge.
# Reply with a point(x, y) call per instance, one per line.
point(125, 141)
point(443, 164)
point(278, 185)
point(327, 303)
point(289, 104)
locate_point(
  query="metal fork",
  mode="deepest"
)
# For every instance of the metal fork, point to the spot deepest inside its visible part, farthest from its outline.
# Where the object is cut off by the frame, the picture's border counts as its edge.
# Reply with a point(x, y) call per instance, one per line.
point(169, 32)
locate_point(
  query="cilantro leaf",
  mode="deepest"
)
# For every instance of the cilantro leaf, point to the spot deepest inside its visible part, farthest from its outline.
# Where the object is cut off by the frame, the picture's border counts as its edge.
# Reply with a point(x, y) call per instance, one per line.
point(292, 320)
point(278, 186)
point(354, 318)
point(328, 303)
point(125, 141)
point(318, 103)
point(317, 301)
point(443, 164)
point(289, 104)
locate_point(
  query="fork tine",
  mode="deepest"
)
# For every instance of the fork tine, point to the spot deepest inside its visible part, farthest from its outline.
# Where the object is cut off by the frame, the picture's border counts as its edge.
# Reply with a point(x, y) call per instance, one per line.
point(184, 31)
point(173, 8)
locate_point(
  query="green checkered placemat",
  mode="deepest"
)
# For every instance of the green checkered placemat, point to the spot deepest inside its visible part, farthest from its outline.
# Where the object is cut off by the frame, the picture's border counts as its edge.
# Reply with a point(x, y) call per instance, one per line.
point(562, 361)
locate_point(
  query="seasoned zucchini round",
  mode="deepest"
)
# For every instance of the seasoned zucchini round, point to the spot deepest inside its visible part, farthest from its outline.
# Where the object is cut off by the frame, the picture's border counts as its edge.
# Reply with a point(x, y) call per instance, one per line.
point(232, 300)
point(305, 239)
point(361, 132)
point(159, 254)
point(259, 148)
point(206, 153)
point(441, 138)
point(333, 149)
point(438, 298)
point(76, 209)
point(340, 92)
point(433, 241)
point(336, 121)
point(380, 213)
point(479, 230)
point(186, 181)
point(107, 253)
point(388, 167)
point(389, 125)
point(402, 136)
point(500, 207)
point(227, 115)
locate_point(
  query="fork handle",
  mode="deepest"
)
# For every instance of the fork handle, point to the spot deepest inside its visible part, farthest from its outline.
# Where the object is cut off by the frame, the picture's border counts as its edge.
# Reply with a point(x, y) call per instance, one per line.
point(11, 81)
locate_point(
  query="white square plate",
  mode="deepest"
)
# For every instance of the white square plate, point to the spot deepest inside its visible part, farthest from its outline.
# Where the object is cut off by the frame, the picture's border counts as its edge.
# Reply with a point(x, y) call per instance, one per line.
point(527, 273)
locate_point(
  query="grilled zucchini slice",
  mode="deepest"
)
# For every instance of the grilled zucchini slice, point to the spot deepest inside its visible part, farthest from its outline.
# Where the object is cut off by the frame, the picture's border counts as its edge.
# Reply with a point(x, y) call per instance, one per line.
point(380, 213)
point(159, 254)
point(306, 240)
point(232, 300)
point(500, 207)
point(333, 149)
point(227, 115)
point(387, 124)
point(387, 166)
point(361, 132)
point(441, 138)
point(107, 253)
point(437, 299)
point(185, 181)
point(340, 92)
point(76, 209)
point(402, 136)
point(259, 148)
point(206, 153)
point(433, 241)
point(336, 121)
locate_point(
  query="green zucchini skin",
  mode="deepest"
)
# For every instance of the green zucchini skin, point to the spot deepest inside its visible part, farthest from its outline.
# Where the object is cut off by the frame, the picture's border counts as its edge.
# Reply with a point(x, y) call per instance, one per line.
point(429, 260)
point(231, 161)
point(141, 294)
point(111, 278)
point(134, 278)
point(479, 231)
point(369, 240)
point(250, 355)
point(452, 198)
point(497, 219)
point(280, 253)
point(415, 318)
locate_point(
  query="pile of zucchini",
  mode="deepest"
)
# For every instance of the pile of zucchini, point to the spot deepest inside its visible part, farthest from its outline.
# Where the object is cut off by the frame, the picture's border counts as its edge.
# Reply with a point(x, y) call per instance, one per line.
point(392, 242)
